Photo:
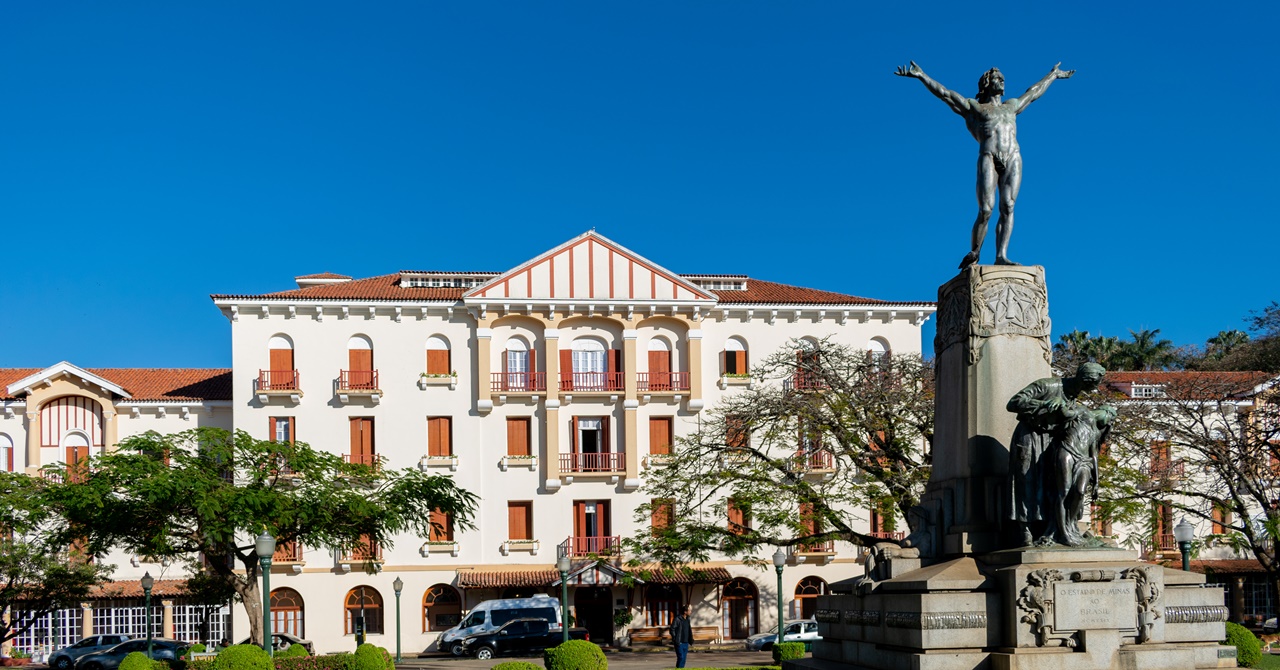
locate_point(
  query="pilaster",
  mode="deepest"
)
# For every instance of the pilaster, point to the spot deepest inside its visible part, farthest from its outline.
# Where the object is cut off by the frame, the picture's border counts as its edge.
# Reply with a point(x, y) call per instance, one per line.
point(110, 432)
point(551, 338)
point(484, 387)
point(167, 618)
point(33, 438)
point(551, 445)
point(694, 337)
point(86, 619)
point(631, 429)
point(629, 359)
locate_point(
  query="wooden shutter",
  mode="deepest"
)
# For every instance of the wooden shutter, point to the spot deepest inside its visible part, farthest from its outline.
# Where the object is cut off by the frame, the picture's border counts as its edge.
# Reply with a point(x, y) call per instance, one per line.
point(603, 518)
point(362, 440)
point(438, 362)
point(573, 435)
point(293, 429)
point(738, 521)
point(566, 370)
point(519, 521)
point(661, 512)
point(441, 526)
point(282, 359)
point(615, 360)
point(604, 435)
point(360, 359)
point(724, 362)
point(580, 518)
point(518, 436)
point(440, 436)
point(877, 522)
point(271, 429)
point(808, 518)
point(740, 362)
point(660, 435)
point(659, 361)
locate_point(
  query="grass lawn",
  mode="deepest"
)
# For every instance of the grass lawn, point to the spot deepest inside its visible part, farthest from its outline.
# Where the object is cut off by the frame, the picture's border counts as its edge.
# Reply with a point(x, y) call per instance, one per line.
point(1269, 661)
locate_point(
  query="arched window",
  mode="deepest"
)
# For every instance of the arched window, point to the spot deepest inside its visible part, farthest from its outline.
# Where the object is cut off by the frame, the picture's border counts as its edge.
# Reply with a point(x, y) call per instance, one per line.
point(367, 602)
point(6, 453)
point(517, 364)
point(808, 371)
point(807, 592)
point(661, 365)
point(286, 612)
point(739, 609)
point(361, 373)
point(662, 603)
point(441, 608)
point(438, 362)
point(280, 373)
point(877, 349)
point(594, 367)
point(733, 361)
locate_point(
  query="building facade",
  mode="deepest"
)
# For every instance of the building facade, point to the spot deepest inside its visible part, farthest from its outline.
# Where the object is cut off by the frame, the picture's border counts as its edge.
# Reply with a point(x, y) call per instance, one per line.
point(548, 390)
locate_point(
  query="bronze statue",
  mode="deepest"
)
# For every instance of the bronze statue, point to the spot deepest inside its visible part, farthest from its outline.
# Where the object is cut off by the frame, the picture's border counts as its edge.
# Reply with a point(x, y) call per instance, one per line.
point(1044, 408)
point(993, 123)
point(1076, 467)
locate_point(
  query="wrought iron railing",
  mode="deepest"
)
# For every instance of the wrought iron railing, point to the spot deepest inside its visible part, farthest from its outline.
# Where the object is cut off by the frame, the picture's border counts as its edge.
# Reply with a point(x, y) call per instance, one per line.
point(575, 546)
point(278, 380)
point(358, 380)
point(516, 382)
point(662, 381)
point(606, 462)
point(591, 381)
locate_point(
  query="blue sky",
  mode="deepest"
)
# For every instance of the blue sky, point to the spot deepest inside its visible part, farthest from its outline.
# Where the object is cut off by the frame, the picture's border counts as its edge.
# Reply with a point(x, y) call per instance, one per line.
point(156, 152)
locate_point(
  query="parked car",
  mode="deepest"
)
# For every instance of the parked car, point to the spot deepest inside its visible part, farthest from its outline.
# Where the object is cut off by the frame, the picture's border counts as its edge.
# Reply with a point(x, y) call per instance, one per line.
point(1269, 626)
point(65, 658)
point(162, 649)
point(282, 641)
point(798, 630)
point(489, 615)
point(520, 637)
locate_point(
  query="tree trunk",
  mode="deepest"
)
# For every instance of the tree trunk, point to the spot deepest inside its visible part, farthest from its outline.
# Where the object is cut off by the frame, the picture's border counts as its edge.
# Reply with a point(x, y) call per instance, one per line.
point(247, 587)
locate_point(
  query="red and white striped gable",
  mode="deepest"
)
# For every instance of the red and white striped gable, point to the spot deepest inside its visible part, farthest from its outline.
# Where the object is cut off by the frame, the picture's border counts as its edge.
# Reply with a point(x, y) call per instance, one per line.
point(589, 267)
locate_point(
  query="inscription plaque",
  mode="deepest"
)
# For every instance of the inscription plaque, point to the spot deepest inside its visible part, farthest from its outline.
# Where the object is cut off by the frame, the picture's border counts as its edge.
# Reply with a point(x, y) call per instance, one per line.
point(1095, 605)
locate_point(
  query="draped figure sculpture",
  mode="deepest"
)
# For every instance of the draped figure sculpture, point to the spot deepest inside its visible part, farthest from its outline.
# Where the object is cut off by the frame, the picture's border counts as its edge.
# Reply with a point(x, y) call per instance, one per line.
point(993, 123)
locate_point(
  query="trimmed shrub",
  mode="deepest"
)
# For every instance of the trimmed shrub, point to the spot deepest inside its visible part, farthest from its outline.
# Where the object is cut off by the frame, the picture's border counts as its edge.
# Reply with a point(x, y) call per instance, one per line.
point(787, 651)
point(242, 657)
point(373, 657)
point(199, 664)
point(516, 665)
point(136, 660)
point(294, 651)
point(326, 662)
point(575, 655)
point(1248, 648)
point(197, 648)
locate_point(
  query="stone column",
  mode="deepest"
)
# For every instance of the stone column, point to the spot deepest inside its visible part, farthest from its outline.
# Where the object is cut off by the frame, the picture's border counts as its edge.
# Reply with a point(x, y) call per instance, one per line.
point(33, 440)
point(86, 619)
point(629, 363)
point(631, 429)
point(1237, 600)
point(110, 430)
point(167, 618)
point(992, 340)
point(6, 647)
point(695, 370)
point(551, 443)
point(484, 387)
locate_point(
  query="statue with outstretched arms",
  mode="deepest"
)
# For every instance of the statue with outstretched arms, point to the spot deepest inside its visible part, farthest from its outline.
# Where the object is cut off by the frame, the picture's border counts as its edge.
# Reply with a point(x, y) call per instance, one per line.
point(993, 122)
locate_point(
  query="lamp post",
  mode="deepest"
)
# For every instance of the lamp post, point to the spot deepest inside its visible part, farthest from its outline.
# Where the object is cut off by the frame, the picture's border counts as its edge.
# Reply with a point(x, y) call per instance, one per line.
point(398, 585)
point(147, 582)
point(779, 560)
point(265, 546)
point(562, 564)
point(1184, 533)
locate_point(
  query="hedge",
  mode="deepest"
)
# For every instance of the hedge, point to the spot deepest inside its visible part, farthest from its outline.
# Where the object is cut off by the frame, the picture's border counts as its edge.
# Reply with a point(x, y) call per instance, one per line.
point(516, 665)
point(293, 651)
point(575, 655)
point(242, 657)
point(787, 651)
point(1248, 647)
point(136, 660)
point(372, 657)
point(328, 662)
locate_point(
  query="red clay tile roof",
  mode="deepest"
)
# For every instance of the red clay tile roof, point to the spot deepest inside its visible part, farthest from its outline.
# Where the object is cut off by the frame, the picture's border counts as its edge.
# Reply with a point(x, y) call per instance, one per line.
point(324, 275)
point(501, 579)
point(387, 287)
point(1182, 383)
point(133, 589)
point(686, 575)
point(150, 384)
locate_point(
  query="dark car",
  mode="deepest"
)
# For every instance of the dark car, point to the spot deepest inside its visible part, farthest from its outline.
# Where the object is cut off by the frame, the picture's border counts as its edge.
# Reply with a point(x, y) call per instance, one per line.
point(519, 637)
point(282, 641)
point(65, 658)
point(162, 649)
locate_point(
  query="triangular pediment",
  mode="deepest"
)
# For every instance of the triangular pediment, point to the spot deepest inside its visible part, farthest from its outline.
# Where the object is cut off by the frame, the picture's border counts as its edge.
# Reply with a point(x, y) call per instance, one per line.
point(64, 368)
point(599, 573)
point(587, 268)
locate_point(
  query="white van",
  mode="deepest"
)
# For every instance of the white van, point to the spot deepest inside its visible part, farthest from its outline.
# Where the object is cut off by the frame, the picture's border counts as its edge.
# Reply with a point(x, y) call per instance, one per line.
point(491, 614)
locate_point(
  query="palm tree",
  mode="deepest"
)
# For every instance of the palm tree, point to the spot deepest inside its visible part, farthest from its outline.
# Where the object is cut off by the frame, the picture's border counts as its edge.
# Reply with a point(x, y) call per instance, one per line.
point(1105, 351)
point(1221, 344)
point(1146, 352)
point(1071, 350)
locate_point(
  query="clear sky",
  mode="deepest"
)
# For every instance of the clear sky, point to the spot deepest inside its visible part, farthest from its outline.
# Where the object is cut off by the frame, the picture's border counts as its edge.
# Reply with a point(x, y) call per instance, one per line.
point(152, 153)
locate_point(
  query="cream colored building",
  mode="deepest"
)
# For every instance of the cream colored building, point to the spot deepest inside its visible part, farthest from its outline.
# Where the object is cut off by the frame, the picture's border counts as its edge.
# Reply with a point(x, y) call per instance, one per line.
point(549, 390)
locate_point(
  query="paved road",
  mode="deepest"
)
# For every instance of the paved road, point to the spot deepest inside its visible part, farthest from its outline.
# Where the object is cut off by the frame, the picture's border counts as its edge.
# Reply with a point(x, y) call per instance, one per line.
point(617, 660)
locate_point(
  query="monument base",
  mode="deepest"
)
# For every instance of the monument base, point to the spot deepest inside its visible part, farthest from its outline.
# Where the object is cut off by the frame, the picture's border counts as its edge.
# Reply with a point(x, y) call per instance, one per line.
point(1019, 609)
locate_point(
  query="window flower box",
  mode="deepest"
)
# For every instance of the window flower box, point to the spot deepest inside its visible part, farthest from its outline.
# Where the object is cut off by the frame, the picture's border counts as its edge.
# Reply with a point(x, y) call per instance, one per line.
point(530, 462)
point(657, 460)
point(426, 380)
point(736, 379)
point(439, 547)
point(450, 461)
point(530, 546)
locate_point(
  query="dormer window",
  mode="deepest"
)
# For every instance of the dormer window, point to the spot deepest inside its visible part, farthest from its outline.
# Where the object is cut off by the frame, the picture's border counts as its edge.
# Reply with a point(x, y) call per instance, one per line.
point(443, 280)
point(1147, 391)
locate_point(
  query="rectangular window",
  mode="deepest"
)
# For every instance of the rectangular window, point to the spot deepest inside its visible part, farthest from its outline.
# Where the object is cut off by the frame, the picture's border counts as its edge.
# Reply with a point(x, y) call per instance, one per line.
point(518, 433)
point(735, 362)
point(660, 437)
point(1221, 520)
point(440, 436)
point(281, 428)
point(1099, 522)
point(362, 450)
point(662, 512)
point(441, 526)
point(739, 517)
point(517, 362)
point(520, 520)
point(438, 361)
point(877, 522)
point(737, 434)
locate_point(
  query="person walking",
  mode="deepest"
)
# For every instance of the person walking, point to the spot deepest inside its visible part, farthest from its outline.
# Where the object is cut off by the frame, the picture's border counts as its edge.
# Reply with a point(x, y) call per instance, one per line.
point(682, 635)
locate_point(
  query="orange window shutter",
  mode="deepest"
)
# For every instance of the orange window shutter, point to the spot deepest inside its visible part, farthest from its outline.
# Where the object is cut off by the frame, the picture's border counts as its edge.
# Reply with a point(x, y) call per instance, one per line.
point(271, 429)
point(615, 360)
point(740, 361)
point(355, 437)
point(282, 359)
point(446, 436)
point(566, 369)
point(602, 513)
point(518, 437)
point(573, 435)
point(438, 362)
point(293, 428)
point(360, 359)
point(660, 435)
point(579, 517)
point(604, 435)
point(367, 436)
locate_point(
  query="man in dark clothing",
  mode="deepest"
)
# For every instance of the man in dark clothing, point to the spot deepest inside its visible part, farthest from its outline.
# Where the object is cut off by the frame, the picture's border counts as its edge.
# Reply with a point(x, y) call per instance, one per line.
point(682, 635)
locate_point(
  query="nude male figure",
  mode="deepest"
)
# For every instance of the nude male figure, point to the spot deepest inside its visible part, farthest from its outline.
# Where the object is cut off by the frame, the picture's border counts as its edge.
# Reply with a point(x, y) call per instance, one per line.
point(993, 123)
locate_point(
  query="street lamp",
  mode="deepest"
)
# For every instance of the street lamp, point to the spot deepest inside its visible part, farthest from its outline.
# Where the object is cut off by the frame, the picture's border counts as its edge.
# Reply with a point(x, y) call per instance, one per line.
point(1184, 533)
point(147, 582)
point(779, 560)
point(562, 564)
point(265, 546)
point(398, 585)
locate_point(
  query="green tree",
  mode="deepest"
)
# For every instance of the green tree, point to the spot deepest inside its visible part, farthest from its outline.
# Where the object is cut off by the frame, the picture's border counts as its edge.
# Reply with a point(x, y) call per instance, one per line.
point(208, 492)
point(1146, 351)
point(38, 571)
point(1221, 345)
point(1070, 351)
point(826, 434)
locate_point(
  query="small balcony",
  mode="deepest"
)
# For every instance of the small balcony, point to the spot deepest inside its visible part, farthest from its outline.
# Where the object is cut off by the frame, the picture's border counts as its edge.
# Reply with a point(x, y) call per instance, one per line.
point(365, 552)
point(814, 460)
point(804, 381)
point(815, 552)
point(895, 535)
point(518, 382)
point(372, 460)
point(1164, 474)
point(610, 462)
point(277, 381)
point(358, 383)
point(287, 552)
point(587, 382)
point(579, 546)
point(662, 382)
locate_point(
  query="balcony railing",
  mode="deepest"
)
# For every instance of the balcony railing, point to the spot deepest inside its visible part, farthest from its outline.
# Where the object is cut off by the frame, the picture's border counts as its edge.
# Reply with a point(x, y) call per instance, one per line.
point(358, 380)
point(518, 382)
point(591, 381)
point(289, 552)
point(824, 547)
point(1166, 542)
point(372, 460)
point(662, 381)
point(606, 462)
point(1164, 471)
point(369, 551)
point(278, 380)
point(804, 381)
point(888, 534)
point(576, 546)
point(814, 459)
